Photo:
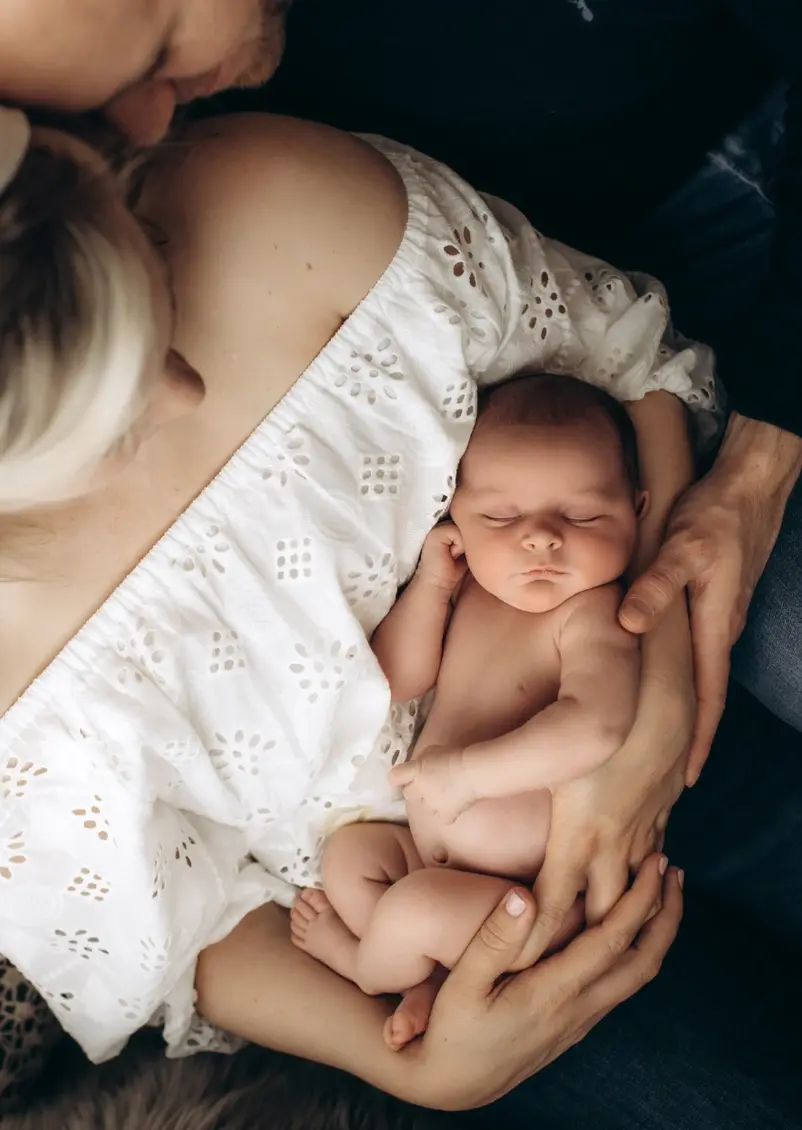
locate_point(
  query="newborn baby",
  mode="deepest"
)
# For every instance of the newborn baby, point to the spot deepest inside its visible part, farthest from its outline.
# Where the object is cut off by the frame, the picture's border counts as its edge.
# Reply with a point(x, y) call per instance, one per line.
point(512, 617)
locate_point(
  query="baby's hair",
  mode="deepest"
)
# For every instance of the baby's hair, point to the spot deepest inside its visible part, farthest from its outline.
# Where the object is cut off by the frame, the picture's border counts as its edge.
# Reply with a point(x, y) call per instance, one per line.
point(76, 325)
point(531, 399)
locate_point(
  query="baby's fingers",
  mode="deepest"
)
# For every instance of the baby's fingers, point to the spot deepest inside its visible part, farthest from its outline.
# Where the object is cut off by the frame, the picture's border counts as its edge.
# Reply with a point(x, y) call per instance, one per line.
point(402, 775)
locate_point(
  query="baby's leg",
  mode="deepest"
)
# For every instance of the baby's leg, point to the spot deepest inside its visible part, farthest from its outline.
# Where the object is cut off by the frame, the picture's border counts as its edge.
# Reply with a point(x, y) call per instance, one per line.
point(359, 863)
point(424, 920)
point(422, 925)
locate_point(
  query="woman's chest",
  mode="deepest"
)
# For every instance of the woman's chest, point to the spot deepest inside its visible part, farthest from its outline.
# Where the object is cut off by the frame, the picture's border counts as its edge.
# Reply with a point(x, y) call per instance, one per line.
point(317, 507)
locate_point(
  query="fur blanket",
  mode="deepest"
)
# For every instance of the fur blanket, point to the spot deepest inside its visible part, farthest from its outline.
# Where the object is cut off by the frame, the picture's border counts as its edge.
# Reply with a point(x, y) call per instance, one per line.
point(255, 1090)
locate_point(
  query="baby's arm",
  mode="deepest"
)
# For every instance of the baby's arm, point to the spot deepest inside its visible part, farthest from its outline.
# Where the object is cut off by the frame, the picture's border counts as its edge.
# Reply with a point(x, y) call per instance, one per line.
point(409, 641)
point(589, 722)
point(593, 714)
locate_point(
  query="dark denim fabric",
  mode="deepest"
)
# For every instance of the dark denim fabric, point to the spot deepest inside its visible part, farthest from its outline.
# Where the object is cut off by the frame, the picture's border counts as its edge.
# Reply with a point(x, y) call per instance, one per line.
point(711, 244)
point(715, 1042)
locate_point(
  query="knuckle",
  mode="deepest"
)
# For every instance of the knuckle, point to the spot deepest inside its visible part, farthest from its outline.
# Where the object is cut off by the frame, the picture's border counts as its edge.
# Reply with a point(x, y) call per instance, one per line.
point(649, 967)
point(492, 935)
point(551, 912)
point(617, 943)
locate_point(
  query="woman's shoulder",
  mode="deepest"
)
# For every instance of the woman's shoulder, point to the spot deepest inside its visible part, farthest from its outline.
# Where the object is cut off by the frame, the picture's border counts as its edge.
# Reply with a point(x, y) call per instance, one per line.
point(312, 206)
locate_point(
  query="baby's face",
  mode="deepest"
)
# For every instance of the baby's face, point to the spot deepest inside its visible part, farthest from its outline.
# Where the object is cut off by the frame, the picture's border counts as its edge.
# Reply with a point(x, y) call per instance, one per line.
point(545, 511)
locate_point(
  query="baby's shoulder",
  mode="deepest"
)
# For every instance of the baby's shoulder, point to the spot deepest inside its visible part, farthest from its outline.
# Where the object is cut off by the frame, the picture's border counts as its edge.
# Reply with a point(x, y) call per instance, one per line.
point(591, 613)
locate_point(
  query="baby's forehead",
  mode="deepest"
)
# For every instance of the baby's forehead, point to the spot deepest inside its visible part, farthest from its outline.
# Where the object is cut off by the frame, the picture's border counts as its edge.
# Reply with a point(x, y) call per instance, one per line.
point(553, 459)
point(594, 437)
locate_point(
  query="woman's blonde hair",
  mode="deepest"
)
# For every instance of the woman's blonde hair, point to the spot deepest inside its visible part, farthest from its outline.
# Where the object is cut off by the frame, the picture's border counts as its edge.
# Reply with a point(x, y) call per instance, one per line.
point(76, 325)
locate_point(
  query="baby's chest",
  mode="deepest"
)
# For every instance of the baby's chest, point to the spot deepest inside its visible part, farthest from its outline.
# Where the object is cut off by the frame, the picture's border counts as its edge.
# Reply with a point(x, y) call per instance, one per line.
point(499, 668)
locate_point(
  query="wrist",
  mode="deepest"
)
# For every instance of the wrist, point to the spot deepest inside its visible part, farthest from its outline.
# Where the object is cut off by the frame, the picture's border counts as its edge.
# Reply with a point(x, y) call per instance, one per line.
point(758, 458)
point(432, 585)
point(404, 1075)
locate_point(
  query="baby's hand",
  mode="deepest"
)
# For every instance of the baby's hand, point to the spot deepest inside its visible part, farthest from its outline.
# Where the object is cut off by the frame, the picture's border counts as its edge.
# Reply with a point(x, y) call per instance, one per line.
point(436, 780)
point(442, 561)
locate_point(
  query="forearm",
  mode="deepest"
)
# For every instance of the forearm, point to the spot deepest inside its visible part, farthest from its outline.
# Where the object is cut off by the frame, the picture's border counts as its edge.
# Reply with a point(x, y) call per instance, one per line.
point(760, 459)
point(666, 463)
point(409, 641)
point(257, 985)
point(667, 471)
point(562, 742)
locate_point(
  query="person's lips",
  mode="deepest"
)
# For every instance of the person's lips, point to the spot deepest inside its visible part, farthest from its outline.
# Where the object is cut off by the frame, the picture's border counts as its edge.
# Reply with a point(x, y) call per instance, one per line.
point(545, 572)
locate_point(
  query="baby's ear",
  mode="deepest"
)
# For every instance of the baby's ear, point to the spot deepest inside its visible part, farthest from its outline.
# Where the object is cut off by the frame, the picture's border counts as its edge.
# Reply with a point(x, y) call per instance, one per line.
point(642, 503)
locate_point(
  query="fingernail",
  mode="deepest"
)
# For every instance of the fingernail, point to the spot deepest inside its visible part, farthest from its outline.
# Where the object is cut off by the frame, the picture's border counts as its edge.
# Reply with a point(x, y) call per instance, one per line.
point(680, 877)
point(661, 866)
point(515, 904)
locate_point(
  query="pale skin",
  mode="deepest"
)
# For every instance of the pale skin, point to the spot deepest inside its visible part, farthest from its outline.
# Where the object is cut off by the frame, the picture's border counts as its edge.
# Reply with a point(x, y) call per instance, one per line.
point(238, 245)
point(138, 59)
point(536, 684)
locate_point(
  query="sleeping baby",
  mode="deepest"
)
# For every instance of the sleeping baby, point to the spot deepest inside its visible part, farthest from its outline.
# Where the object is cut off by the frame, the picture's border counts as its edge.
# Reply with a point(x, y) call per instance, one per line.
point(511, 617)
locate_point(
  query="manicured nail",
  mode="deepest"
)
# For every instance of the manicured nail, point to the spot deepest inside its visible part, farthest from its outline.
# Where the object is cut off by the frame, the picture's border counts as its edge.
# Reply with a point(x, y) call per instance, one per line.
point(661, 866)
point(515, 904)
point(680, 877)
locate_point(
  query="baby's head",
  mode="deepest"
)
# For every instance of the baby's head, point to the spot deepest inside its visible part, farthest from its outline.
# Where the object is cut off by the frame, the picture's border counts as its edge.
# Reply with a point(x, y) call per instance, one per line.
point(85, 316)
point(548, 495)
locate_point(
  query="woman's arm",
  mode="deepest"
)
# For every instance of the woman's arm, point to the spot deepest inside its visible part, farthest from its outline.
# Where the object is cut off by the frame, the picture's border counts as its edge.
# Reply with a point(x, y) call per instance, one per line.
point(257, 984)
point(667, 469)
point(485, 1035)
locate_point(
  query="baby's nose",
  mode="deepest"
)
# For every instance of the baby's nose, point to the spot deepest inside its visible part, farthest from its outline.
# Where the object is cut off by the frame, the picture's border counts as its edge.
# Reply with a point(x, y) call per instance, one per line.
point(542, 536)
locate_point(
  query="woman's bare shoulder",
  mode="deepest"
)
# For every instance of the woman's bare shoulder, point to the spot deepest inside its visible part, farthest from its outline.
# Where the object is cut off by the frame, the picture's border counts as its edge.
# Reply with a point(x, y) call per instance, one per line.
point(308, 207)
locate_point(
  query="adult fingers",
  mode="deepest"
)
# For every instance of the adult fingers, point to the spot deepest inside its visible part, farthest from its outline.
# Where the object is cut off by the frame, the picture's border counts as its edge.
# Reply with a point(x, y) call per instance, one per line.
point(655, 591)
point(496, 946)
point(561, 879)
point(608, 878)
point(711, 641)
point(596, 951)
point(641, 961)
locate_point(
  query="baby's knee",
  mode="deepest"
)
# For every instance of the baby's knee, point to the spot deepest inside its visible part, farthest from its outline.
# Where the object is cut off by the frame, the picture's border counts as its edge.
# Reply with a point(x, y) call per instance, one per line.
point(374, 851)
point(344, 850)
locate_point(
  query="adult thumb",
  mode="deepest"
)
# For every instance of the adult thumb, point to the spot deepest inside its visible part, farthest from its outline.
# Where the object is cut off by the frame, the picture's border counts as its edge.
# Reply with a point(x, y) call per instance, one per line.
point(653, 593)
point(497, 945)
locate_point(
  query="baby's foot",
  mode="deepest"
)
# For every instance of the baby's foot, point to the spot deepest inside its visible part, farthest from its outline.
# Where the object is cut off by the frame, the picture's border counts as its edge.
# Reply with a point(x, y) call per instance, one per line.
point(411, 1017)
point(318, 930)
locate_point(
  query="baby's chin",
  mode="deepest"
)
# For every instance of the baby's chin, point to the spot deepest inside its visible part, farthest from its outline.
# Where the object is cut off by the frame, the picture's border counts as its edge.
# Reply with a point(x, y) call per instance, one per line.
point(543, 594)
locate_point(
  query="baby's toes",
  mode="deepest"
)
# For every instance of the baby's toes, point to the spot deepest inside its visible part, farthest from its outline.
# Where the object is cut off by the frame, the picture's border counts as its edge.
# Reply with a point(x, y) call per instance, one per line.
point(314, 901)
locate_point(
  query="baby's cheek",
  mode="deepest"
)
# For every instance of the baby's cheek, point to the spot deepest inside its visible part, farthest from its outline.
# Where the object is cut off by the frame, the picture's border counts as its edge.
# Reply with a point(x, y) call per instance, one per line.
point(608, 557)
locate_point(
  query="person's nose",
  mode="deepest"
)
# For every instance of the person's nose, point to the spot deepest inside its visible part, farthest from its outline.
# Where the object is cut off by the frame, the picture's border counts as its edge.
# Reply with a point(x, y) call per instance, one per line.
point(144, 112)
point(542, 536)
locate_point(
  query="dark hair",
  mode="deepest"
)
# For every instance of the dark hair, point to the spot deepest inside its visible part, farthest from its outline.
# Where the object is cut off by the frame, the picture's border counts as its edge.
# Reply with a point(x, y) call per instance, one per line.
point(553, 398)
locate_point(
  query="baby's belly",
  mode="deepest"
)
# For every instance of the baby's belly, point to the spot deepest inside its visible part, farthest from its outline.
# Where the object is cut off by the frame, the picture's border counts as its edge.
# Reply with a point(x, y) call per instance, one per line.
point(497, 837)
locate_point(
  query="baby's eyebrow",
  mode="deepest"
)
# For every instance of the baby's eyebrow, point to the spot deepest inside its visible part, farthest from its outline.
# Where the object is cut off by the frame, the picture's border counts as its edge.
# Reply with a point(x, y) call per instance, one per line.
point(605, 490)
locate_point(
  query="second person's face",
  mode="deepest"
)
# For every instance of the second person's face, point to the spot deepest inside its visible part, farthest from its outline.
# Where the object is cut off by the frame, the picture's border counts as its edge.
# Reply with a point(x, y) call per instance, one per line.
point(137, 58)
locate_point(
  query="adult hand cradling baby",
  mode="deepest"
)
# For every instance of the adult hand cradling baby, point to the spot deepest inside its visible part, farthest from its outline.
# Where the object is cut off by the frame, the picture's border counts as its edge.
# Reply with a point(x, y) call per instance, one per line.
point(196, 701)
point(508, 1028)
